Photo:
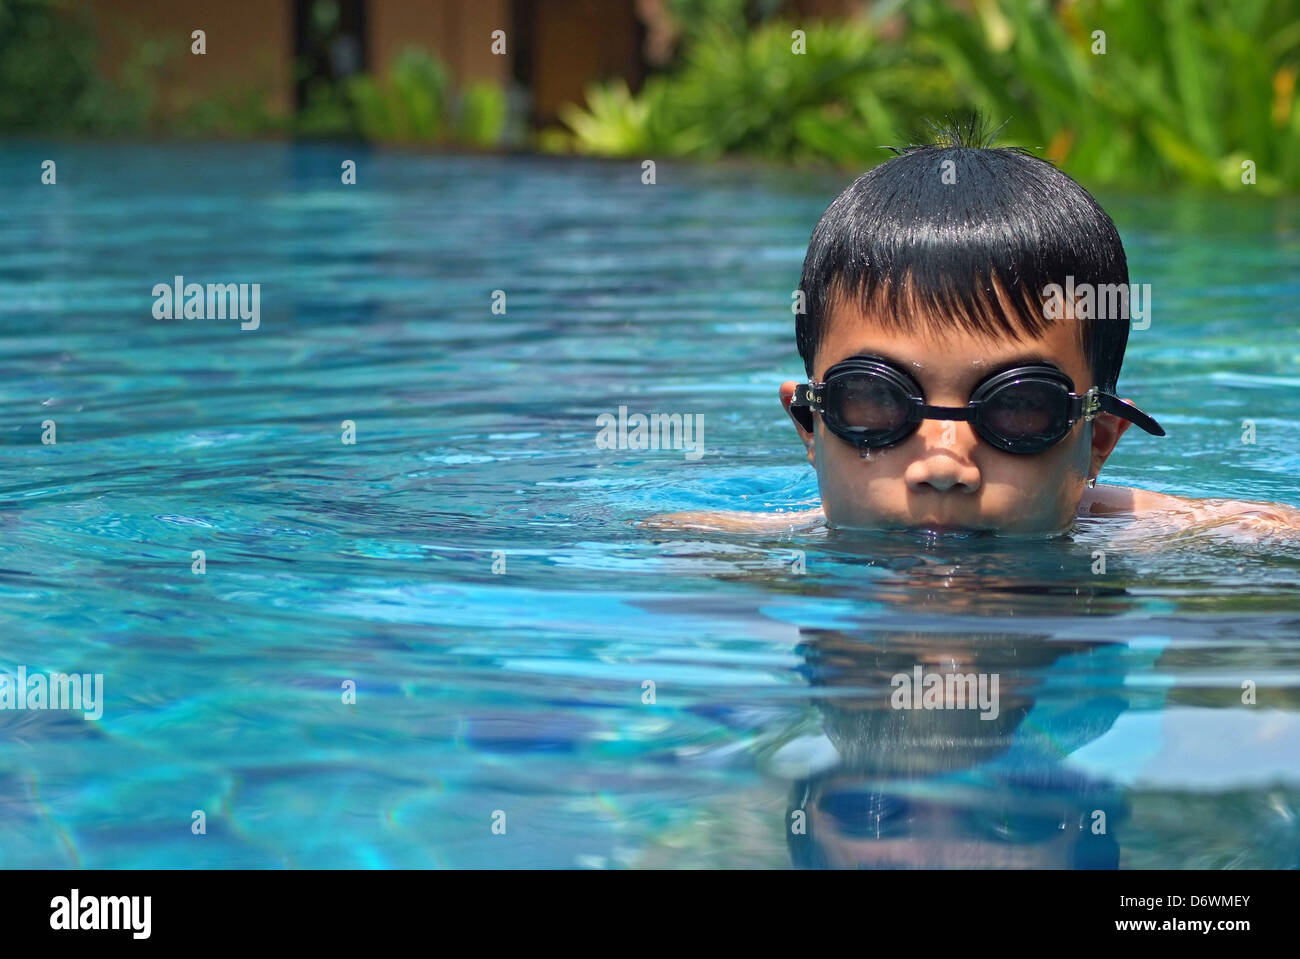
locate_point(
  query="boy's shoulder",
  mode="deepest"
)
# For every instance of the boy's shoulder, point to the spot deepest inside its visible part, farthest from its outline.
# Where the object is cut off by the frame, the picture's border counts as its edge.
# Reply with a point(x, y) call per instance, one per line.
point(1112, 500)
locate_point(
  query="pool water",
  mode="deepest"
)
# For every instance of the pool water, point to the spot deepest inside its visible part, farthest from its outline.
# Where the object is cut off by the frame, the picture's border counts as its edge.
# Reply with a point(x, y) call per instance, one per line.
point(538, 681)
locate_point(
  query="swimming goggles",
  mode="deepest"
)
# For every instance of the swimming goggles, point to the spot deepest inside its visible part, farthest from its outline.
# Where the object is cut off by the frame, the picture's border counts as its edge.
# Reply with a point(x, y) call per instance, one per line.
point(871, 403)
point(862, 813)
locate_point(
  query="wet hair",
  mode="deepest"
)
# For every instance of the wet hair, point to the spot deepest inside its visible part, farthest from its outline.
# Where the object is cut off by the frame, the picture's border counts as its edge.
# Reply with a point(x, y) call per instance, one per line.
point(922, 255)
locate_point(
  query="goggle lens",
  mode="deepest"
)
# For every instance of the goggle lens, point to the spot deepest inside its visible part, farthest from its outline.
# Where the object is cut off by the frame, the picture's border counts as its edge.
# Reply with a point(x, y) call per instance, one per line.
point(870, 403)
point(1027, 411)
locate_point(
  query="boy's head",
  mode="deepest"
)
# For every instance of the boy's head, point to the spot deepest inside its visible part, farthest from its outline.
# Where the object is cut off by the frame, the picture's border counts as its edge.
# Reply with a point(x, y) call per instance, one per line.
point(938, 262)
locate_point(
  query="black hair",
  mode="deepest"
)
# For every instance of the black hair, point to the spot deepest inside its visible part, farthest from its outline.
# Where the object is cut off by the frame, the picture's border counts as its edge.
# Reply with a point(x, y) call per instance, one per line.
point(976, 252)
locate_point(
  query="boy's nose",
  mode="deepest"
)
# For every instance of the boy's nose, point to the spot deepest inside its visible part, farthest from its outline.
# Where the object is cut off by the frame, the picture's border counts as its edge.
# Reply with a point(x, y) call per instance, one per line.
point(944, 461)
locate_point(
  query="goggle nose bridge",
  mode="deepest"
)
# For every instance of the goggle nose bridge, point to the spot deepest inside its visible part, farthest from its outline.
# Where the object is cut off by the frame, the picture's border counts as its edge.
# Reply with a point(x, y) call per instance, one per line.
point(959, 413)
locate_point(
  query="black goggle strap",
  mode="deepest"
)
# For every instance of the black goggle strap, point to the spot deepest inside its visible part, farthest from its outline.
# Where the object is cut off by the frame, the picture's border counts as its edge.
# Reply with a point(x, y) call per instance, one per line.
point(807, 397)
point(1107, 403)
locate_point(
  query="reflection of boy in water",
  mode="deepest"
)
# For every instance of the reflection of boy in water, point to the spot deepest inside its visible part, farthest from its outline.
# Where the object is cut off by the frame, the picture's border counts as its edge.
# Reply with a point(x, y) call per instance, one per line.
point(943, 788)
point(851, 824)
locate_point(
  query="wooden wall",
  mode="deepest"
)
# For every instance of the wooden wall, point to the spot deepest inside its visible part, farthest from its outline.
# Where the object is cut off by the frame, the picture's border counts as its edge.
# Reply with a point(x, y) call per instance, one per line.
point(249, 44)
point(458, 31)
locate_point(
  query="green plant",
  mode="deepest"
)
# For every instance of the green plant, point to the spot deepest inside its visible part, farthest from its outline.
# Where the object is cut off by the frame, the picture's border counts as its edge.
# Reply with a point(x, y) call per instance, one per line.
point(327, 112)
point(482, 114)
point(409, 104)
point(752, 94)
point(614, 122)
point(413, 103)
point(1185, 92)
point(240, 111)
point(47, 68)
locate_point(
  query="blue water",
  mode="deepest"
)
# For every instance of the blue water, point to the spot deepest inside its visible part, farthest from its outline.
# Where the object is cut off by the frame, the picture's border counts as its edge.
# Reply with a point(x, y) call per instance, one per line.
point(471, 563)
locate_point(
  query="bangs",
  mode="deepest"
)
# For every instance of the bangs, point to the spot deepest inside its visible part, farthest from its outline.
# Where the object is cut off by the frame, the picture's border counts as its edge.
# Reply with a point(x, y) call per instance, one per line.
point(985, 308)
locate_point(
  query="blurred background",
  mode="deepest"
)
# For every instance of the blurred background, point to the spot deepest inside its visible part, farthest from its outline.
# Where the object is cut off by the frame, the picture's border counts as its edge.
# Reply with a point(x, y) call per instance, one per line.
point(1211, 85)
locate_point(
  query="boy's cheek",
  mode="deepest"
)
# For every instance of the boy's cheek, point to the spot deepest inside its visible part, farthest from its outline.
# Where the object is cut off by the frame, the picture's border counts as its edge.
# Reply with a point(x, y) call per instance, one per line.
point(852, 494)
point(1038, 495)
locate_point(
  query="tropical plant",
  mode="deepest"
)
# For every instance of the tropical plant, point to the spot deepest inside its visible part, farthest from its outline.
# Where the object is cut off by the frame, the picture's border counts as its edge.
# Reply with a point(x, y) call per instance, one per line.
point(415, 102)
point(408, 104)
point(751, 94)
point(1165, 92)
point(48, 79)
point(481, 114)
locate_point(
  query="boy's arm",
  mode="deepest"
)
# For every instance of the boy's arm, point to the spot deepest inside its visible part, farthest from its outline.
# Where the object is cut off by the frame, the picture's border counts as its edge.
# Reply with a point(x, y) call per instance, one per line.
point(736, 520)
point(1098, 501)
point(1113, 500)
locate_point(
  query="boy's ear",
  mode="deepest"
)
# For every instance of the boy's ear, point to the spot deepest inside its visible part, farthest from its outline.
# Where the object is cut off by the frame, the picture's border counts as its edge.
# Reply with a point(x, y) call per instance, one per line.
point(1106, 431)
point(803, 419)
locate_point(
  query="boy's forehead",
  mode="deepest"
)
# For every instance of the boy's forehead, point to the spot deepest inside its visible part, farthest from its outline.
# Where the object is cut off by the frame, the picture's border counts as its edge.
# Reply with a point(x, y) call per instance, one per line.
point(953, 354)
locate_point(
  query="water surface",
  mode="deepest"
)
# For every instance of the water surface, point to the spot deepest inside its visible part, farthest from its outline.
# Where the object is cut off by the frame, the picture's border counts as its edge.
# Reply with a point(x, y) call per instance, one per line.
point(471, 563)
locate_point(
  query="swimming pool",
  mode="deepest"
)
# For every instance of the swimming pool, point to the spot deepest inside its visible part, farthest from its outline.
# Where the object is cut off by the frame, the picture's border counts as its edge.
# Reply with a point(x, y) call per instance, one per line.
point(470, 561)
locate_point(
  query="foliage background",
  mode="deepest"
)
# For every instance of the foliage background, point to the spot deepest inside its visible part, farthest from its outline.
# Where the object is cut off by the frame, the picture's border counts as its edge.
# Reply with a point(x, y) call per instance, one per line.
point(1186, 91)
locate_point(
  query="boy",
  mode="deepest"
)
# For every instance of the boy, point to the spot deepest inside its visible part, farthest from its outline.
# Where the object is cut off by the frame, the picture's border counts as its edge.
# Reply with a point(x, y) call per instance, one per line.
point(933, 281)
